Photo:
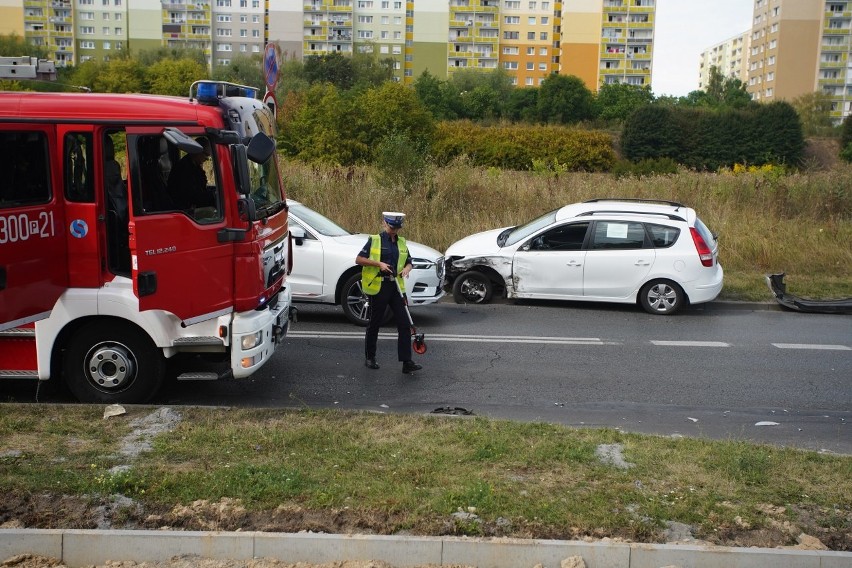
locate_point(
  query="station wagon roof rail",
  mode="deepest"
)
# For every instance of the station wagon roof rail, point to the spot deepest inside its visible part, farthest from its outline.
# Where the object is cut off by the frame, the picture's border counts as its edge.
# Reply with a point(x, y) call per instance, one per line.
point(636, 200)
point(619, 212)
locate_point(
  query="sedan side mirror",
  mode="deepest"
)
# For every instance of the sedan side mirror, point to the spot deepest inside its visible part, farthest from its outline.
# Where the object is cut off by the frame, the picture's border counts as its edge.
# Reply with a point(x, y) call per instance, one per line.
point(298, 233)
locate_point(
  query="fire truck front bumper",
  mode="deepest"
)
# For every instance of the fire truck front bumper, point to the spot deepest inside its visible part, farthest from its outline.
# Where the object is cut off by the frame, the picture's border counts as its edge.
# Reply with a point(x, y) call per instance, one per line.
point(257, 334)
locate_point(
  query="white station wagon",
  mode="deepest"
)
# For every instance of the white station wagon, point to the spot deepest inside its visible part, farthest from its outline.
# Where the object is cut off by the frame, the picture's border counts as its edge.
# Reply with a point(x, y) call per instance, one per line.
point(656, 253)
point(324, 269)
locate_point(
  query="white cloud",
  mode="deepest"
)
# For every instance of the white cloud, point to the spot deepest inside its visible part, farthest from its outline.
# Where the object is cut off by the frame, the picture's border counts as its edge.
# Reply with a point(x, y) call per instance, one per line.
point(685, 28)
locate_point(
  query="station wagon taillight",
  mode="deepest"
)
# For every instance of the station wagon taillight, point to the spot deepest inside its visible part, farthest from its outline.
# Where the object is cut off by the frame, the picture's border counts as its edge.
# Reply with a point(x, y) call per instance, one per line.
point(704, 252)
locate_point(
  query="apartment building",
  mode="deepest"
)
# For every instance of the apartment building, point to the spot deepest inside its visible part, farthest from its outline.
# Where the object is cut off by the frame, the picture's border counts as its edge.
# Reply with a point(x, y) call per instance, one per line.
point(730, 57)
point(799, 47)
point(608, 41)
point(601, 41)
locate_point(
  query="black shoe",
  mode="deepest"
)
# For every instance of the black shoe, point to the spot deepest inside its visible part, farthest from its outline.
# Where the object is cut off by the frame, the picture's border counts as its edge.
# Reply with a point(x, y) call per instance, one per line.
point(410, 367)
point(370, 363)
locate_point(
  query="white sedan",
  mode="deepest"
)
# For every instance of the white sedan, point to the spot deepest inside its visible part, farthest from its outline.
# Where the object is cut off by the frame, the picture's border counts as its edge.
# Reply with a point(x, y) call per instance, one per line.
point(324, 269)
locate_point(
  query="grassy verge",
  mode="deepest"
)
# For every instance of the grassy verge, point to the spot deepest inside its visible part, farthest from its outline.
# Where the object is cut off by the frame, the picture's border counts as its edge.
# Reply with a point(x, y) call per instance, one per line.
point(393, 474)
point(800, 224)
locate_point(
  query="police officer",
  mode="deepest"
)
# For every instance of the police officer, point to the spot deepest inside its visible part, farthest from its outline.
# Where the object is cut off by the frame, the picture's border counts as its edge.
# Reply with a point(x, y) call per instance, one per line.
point(383, 259)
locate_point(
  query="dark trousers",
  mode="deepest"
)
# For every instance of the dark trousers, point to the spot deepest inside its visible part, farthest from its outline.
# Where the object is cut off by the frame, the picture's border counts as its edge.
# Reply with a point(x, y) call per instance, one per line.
point(388, 296)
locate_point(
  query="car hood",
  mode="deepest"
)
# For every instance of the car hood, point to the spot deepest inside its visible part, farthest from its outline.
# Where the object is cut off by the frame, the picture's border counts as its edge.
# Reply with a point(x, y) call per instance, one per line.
point(479, 244)
point(415, 250)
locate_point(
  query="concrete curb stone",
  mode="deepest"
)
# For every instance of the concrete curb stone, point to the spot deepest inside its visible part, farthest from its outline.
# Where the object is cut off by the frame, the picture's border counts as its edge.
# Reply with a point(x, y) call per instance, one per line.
point(77, 548)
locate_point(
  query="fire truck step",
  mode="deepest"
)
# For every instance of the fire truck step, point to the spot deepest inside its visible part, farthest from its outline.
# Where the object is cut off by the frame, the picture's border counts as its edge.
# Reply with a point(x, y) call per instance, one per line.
point(198, 376)
point(10, 374)
point(196, 341)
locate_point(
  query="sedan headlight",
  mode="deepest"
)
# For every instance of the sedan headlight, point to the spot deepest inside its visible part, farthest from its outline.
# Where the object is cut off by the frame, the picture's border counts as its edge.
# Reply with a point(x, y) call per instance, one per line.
point(251, 341)
point(421, 264)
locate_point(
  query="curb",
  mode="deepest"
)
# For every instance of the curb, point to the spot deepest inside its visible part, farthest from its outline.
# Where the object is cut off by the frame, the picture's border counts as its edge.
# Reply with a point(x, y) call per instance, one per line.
point(77, 548)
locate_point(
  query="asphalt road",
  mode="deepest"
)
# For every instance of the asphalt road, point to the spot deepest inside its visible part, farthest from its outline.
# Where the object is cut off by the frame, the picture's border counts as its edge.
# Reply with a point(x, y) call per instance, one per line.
point(719, 371)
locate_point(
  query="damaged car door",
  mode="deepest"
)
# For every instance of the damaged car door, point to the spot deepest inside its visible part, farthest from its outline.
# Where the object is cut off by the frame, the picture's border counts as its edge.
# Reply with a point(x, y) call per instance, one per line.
point(551, 264)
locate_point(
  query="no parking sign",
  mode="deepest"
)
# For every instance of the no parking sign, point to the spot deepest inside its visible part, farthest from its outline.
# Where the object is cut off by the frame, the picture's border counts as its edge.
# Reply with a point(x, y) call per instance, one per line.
point(270, 66)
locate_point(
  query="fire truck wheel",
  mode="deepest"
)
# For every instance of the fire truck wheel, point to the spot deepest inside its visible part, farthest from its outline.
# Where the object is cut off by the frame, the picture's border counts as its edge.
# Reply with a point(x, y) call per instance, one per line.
point(112, 362)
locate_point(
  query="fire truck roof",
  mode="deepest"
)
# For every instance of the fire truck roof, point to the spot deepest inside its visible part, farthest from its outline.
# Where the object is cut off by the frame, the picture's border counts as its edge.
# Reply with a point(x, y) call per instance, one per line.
point(100, 107)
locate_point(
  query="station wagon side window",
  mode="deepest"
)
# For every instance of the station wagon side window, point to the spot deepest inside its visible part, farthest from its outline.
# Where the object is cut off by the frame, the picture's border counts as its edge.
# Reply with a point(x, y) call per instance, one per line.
point(563, 238)
point(662, 235)
point(23, 159)
point(617, 235)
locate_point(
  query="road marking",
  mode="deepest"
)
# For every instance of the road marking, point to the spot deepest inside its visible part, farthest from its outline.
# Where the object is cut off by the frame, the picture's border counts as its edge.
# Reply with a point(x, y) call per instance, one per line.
point(691, 343)
point(459, 338)
point(812, 346)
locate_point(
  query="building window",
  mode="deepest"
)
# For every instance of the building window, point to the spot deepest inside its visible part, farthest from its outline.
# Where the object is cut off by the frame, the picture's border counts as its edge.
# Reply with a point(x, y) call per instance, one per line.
point(510, 65)
point(223, 18)
point(530, 35)
point(87, 45)
point(531, 20)
point(511, 35)
point(510, 51)
point(542, 51)
point(543, 36)
point(365, 19)
point(530, 65)
point(512, 20)
point(528, 81)
point(106, 45)
point(87, 30)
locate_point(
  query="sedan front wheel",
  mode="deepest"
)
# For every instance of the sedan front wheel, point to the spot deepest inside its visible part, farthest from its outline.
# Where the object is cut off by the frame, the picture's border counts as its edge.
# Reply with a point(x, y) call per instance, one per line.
point(661, 297)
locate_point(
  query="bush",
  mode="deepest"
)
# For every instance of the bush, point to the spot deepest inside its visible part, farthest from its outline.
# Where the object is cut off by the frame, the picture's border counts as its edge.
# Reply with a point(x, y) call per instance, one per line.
point(516, 147)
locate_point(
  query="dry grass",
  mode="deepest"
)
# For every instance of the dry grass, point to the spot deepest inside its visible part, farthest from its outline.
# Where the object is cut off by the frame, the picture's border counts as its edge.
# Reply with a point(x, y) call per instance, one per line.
point(801, 223)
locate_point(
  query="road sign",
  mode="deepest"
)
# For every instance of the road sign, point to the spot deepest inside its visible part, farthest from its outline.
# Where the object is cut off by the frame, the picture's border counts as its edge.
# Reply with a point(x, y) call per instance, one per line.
point(270, 66)
point(270, 101)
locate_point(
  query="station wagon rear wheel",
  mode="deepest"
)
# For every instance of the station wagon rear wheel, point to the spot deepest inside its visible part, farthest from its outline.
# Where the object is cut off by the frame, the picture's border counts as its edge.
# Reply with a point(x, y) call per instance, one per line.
point(661, 297)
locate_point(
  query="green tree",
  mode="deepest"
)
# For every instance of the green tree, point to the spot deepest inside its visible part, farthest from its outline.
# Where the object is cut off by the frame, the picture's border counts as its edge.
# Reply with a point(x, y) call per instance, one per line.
point(430, 91)
point(814, 110)
point(331, 68)
point(13, 45)
point(476, 94)
point(173, 76)
point(388, 109)
point(615, 101)
point(721, 91)
point(368, 70)
point(846, 139)
point(148, 57)
point(564, 99)
point(120, 75)
point(243, 70)
point(318, 125)
point(522, 105)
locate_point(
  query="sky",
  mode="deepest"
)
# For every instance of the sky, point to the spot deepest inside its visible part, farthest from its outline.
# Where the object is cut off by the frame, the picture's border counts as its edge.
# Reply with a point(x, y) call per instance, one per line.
point(684, 29)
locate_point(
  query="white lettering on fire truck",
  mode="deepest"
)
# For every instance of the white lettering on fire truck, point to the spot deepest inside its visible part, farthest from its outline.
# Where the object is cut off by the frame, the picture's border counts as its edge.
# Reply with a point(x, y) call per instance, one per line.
point(22, 227)
point(163, 250)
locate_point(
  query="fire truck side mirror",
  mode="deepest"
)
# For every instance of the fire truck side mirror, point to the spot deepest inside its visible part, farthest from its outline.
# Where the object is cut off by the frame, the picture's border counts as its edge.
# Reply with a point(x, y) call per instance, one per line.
point(260, 148)
point(246, 210)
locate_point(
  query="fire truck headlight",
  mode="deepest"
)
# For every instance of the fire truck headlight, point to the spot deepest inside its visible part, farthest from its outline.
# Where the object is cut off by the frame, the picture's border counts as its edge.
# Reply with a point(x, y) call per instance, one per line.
point(251, 341)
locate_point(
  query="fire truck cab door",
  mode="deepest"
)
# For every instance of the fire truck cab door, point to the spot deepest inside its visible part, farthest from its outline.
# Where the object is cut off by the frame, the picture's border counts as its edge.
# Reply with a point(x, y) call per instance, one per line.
point(33, 252)
point(178, 263)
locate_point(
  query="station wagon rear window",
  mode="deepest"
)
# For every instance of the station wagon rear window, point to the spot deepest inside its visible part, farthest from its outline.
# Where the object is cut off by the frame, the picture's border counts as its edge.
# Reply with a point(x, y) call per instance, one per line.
point(661, 235)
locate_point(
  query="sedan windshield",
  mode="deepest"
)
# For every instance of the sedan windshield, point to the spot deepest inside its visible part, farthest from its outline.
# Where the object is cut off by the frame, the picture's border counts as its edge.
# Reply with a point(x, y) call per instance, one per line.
point(522, 232)
point(321, 224)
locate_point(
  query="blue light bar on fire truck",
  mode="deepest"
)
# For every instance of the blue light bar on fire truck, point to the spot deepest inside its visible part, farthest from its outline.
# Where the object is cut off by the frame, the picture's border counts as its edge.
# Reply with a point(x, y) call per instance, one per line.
point(209, 92)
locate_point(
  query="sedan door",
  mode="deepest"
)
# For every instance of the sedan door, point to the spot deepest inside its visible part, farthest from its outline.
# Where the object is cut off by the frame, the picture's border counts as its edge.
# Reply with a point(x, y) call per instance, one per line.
point(619, 257)
point(306, 278)
point(551, 264)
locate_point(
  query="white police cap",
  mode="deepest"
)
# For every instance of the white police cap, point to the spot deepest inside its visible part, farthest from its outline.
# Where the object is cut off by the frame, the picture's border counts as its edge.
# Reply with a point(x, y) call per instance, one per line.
point(393, 218)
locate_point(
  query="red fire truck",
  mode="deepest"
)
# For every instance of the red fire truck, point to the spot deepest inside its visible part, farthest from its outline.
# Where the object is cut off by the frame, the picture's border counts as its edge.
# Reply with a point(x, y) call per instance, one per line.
point(116, 255)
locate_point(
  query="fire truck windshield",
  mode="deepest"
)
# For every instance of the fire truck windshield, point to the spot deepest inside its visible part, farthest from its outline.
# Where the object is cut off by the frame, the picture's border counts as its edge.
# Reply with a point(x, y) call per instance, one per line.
point(265, 182)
